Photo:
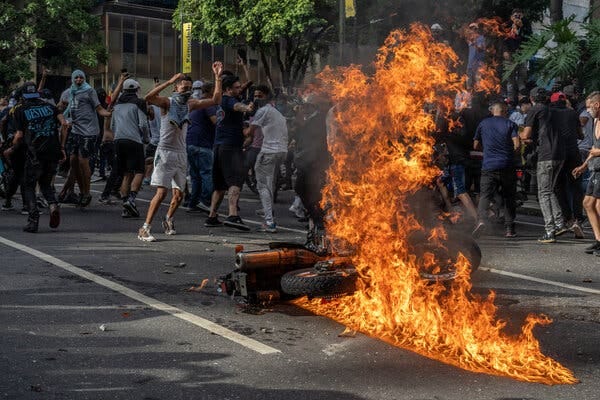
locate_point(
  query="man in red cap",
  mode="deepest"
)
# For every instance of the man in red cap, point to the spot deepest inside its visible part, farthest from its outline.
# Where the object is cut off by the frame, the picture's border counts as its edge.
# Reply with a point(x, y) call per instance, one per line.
point(550, 158)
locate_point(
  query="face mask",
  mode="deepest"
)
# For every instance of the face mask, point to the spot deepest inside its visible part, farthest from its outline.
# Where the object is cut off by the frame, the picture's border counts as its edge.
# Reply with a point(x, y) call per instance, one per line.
point(182, 98)
point(258, 103)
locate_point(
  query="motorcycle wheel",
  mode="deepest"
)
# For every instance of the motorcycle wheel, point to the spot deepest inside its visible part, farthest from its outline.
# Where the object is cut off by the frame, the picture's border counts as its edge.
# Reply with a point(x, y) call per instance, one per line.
point(312, 283)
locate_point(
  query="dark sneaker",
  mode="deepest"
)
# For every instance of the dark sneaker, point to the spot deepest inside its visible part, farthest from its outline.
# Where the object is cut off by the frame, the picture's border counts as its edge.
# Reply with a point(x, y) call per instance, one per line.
point(510, 232)
point(212, 222)
point(32, 225)
point(24, 211)
point(478, 230)
point(547, 238)
point(126, 214)
point(130, 206)
point(7, 206)
point(594, 247)
point(577, 231)
point(236, 222)
point(54, 216)
point(561, 231)
point(85, 200)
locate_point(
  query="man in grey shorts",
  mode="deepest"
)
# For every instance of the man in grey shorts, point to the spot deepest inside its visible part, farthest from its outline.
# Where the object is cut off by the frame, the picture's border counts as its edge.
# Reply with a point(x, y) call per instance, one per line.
point(170, 160)
point(591, 201)
point(83, 104)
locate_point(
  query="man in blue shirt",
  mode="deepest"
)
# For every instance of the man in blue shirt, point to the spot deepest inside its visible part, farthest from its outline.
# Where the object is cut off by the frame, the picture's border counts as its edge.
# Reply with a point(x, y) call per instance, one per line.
point(228, 163)
point(200, 139)
point(499, 138)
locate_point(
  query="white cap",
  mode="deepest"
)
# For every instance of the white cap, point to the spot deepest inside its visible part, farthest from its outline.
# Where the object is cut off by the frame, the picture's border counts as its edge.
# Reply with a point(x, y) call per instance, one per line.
point(130, 84)
point(197, 85)
point(436, 27)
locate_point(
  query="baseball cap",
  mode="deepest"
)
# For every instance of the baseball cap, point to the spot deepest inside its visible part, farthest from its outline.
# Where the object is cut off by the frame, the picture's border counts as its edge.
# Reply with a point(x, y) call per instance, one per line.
point(436, 27)
point(557, 96)
point(29, 91)
point(130, 84)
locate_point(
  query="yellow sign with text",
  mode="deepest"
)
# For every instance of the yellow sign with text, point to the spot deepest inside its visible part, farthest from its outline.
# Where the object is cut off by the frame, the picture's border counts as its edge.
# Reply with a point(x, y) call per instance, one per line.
point(186, 48)
point(350, 9)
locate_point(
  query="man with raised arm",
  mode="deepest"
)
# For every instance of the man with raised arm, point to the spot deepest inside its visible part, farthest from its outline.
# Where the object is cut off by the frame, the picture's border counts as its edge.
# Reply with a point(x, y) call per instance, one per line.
point(170, 161)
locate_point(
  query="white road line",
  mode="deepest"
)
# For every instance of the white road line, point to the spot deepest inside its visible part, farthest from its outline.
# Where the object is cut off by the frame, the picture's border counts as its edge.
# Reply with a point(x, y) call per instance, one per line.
point(538, 280)
point(63, 307)
point(174, 311)
point(245, 219)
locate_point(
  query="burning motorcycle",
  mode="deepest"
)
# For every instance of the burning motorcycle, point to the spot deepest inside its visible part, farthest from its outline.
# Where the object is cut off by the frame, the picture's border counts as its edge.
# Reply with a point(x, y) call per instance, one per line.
point(325, 268)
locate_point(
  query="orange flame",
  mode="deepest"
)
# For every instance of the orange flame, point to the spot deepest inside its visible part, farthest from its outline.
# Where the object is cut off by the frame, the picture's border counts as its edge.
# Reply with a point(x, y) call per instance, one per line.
point(488, 81)
point(382, 154)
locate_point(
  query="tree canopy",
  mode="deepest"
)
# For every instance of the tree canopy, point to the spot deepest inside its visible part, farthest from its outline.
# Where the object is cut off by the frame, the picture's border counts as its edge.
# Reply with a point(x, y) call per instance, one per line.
point(58, 32)
point(289, 30)
point(566, 55)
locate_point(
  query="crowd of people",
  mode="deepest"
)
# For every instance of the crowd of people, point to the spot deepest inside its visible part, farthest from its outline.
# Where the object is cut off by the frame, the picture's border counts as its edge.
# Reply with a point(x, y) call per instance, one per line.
point(202, 141)
point(207, 139)
point(526, 140)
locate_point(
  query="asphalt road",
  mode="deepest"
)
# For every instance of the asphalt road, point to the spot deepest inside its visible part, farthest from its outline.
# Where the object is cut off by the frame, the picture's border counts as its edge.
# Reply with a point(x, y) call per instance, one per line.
point(90, 312)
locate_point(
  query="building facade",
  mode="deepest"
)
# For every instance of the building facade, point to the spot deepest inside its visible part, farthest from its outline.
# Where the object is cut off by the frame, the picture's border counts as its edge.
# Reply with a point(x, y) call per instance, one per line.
point(139, 37)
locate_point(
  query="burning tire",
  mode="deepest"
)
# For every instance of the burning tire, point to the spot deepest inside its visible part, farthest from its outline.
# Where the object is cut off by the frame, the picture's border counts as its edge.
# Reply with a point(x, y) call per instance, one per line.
point(462, 244)
point(312, 283)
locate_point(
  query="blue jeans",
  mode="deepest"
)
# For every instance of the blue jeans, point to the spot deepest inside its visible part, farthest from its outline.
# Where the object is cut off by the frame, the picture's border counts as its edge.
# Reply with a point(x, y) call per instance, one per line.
point(200, 161)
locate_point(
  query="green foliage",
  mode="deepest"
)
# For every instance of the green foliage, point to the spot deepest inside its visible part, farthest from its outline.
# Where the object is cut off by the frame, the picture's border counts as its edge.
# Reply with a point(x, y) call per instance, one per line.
point(562, 60)
point(565, 54)
point(56, 31)
point(17, 43)
point(290, 30)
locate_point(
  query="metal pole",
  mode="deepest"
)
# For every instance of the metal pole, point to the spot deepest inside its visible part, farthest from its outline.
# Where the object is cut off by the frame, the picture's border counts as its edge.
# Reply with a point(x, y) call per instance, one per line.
point(342, 29)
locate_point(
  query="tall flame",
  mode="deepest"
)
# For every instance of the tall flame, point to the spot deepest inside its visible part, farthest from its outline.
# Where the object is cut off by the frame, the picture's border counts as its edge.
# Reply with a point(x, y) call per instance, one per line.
point(382, 154)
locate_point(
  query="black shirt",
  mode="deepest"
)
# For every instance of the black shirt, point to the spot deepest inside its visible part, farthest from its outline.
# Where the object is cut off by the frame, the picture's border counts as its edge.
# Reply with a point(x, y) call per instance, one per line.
point(39, 123)
point(548, 141)
point(311, 142)
point(566, 122)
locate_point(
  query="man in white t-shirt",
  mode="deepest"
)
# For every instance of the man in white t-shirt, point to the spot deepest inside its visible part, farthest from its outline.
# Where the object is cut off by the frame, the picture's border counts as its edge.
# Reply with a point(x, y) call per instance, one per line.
point(272, 153)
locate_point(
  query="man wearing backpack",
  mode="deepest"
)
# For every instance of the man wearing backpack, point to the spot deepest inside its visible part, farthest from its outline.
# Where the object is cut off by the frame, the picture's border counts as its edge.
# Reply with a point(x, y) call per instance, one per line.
point(37, 131)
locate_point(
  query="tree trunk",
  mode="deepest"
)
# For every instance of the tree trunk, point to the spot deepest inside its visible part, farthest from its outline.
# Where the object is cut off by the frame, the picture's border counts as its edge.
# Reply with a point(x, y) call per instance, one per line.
point(267, 67)
point(556, 10)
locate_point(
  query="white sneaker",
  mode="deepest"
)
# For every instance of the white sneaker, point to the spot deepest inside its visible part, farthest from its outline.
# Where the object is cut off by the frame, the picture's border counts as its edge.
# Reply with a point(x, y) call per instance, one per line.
point(145, 235)
point(169, 226)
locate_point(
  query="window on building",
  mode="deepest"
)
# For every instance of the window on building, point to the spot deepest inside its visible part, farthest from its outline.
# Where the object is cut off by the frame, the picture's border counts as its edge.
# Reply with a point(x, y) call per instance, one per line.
point(128, 42)
point(142, 43)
